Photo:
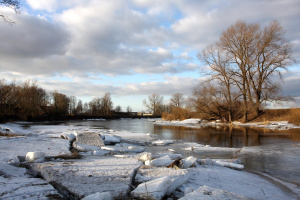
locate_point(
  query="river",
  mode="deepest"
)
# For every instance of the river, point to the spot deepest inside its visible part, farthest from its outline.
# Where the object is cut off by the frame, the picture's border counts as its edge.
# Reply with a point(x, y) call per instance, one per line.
point(279, 151)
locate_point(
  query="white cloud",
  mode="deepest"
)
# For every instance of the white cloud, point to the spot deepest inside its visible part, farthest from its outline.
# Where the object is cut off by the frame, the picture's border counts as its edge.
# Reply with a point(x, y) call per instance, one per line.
point(132, 37)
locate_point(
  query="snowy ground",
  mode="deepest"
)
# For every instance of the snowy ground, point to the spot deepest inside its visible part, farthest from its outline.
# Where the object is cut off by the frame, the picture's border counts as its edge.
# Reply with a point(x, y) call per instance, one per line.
point(120, 170)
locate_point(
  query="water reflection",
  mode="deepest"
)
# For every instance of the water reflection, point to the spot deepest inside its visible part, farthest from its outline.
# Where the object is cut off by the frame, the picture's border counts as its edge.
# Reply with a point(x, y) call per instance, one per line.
point(226, 136)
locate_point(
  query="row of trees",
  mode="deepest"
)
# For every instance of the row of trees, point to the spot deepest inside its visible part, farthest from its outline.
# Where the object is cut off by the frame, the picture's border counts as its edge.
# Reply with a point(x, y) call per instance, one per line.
point(28, 101)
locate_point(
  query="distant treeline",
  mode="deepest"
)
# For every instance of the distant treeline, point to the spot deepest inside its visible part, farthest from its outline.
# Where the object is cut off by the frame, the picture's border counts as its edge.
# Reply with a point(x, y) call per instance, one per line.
point(29, 102)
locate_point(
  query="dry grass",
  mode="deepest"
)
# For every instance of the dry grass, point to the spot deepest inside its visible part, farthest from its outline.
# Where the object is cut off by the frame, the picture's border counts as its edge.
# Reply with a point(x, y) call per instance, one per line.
point(74, 155)
point(290, 115)
point(9, 134)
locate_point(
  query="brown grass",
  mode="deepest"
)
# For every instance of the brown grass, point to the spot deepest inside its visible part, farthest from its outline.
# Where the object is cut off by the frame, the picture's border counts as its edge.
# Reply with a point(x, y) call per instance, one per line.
point(290, 115)
point(9, 134)
point(74, 155)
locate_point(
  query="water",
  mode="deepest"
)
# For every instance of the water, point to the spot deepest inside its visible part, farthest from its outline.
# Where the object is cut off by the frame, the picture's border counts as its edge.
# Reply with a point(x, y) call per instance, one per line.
point(274, 152)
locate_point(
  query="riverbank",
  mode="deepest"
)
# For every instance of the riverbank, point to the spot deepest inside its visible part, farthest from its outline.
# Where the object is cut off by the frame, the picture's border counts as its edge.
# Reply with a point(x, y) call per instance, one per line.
point(123, 168)
point(195, 122)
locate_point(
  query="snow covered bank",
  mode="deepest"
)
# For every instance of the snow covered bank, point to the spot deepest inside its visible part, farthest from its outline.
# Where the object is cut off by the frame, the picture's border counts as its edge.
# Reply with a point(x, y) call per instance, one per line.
point(281, 125)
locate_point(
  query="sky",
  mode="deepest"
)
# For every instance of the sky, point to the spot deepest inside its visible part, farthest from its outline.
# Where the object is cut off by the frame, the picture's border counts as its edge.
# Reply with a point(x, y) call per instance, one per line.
point(130, 48)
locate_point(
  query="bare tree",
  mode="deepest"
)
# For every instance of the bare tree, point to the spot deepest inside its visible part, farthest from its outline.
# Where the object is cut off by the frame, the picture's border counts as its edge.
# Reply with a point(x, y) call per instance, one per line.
point(118, 108)
point(60, 103)
point(72, 104)
point(106, 104)
point(13, 4)
point(79, 108)
point(273, 53)
point(247, 56)
point(129, 109)
point(177, 100)
point(154, 104)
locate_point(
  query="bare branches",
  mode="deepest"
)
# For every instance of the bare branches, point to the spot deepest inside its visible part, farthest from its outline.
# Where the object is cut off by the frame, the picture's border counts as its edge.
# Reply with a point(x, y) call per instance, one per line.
point(246, 57)
point(13, 4)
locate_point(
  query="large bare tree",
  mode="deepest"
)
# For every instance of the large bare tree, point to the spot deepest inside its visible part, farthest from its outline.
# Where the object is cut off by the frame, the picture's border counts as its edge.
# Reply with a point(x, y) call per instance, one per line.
point(13, 4)
point(246, 56)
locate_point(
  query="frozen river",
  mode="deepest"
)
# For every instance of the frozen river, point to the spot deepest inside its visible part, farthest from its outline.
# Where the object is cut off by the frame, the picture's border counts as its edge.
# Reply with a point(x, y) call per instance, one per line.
point(272, 152)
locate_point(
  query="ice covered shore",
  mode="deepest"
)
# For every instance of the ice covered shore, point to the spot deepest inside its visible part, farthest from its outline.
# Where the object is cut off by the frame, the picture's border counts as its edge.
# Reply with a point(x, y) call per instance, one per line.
point(281, 125)
point(116, 166)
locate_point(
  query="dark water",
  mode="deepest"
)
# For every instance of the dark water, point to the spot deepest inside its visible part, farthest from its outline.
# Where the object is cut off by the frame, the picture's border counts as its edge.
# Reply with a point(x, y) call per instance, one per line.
point(274, 152)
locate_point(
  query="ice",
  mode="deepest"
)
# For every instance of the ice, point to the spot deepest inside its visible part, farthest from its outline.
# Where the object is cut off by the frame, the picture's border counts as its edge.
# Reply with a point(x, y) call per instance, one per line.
point(230, 165)
point(89, 138)
point(144, 157)
point(83, 147)
point(91, 175)
point(208, 193)
point(99, 196)
point(154, 189)
point(15, 183)
point(116, 149)
point(35, 157)
point(163, 161)
point(69, 135)
point(241, 183)
point(152, 179)
point(163, 142)
point(95, 174)
point(188, 162)
point(108, 139)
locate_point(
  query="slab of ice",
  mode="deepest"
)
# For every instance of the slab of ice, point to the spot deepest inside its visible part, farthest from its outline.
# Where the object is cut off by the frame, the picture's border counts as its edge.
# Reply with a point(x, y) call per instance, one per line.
point(230, 165)
point(154, 189)
point(35, 156)
point(116, 149)
point(83, 147)
point(208, 193)
point(15, 183)
point(91, 175)
point(69, 135)
point(89, 138)
point(144, 156)
point(99, 196)
point(163, 142)
point(146, 173)
point(153, 178)
point(241, 183)
point(161, 162)
point(108, 139)
point(188, 162)
point(171, 155)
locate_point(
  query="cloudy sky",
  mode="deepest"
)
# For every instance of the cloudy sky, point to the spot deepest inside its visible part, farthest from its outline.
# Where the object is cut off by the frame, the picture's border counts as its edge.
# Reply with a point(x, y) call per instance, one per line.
point(130, 48)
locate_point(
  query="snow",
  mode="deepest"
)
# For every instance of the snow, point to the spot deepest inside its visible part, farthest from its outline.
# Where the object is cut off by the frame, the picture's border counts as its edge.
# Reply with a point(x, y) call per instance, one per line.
point(109, 139)
point(281, 125)
point(161, 162)
point(99, 196)
point(35, 157)
point(242, 183)
point(154, 189)
point(83, 177)
point(15, 183)
point(230, 165)
point(188, 162)
point(100, 172)
point(163, 142)
point(208, 193)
